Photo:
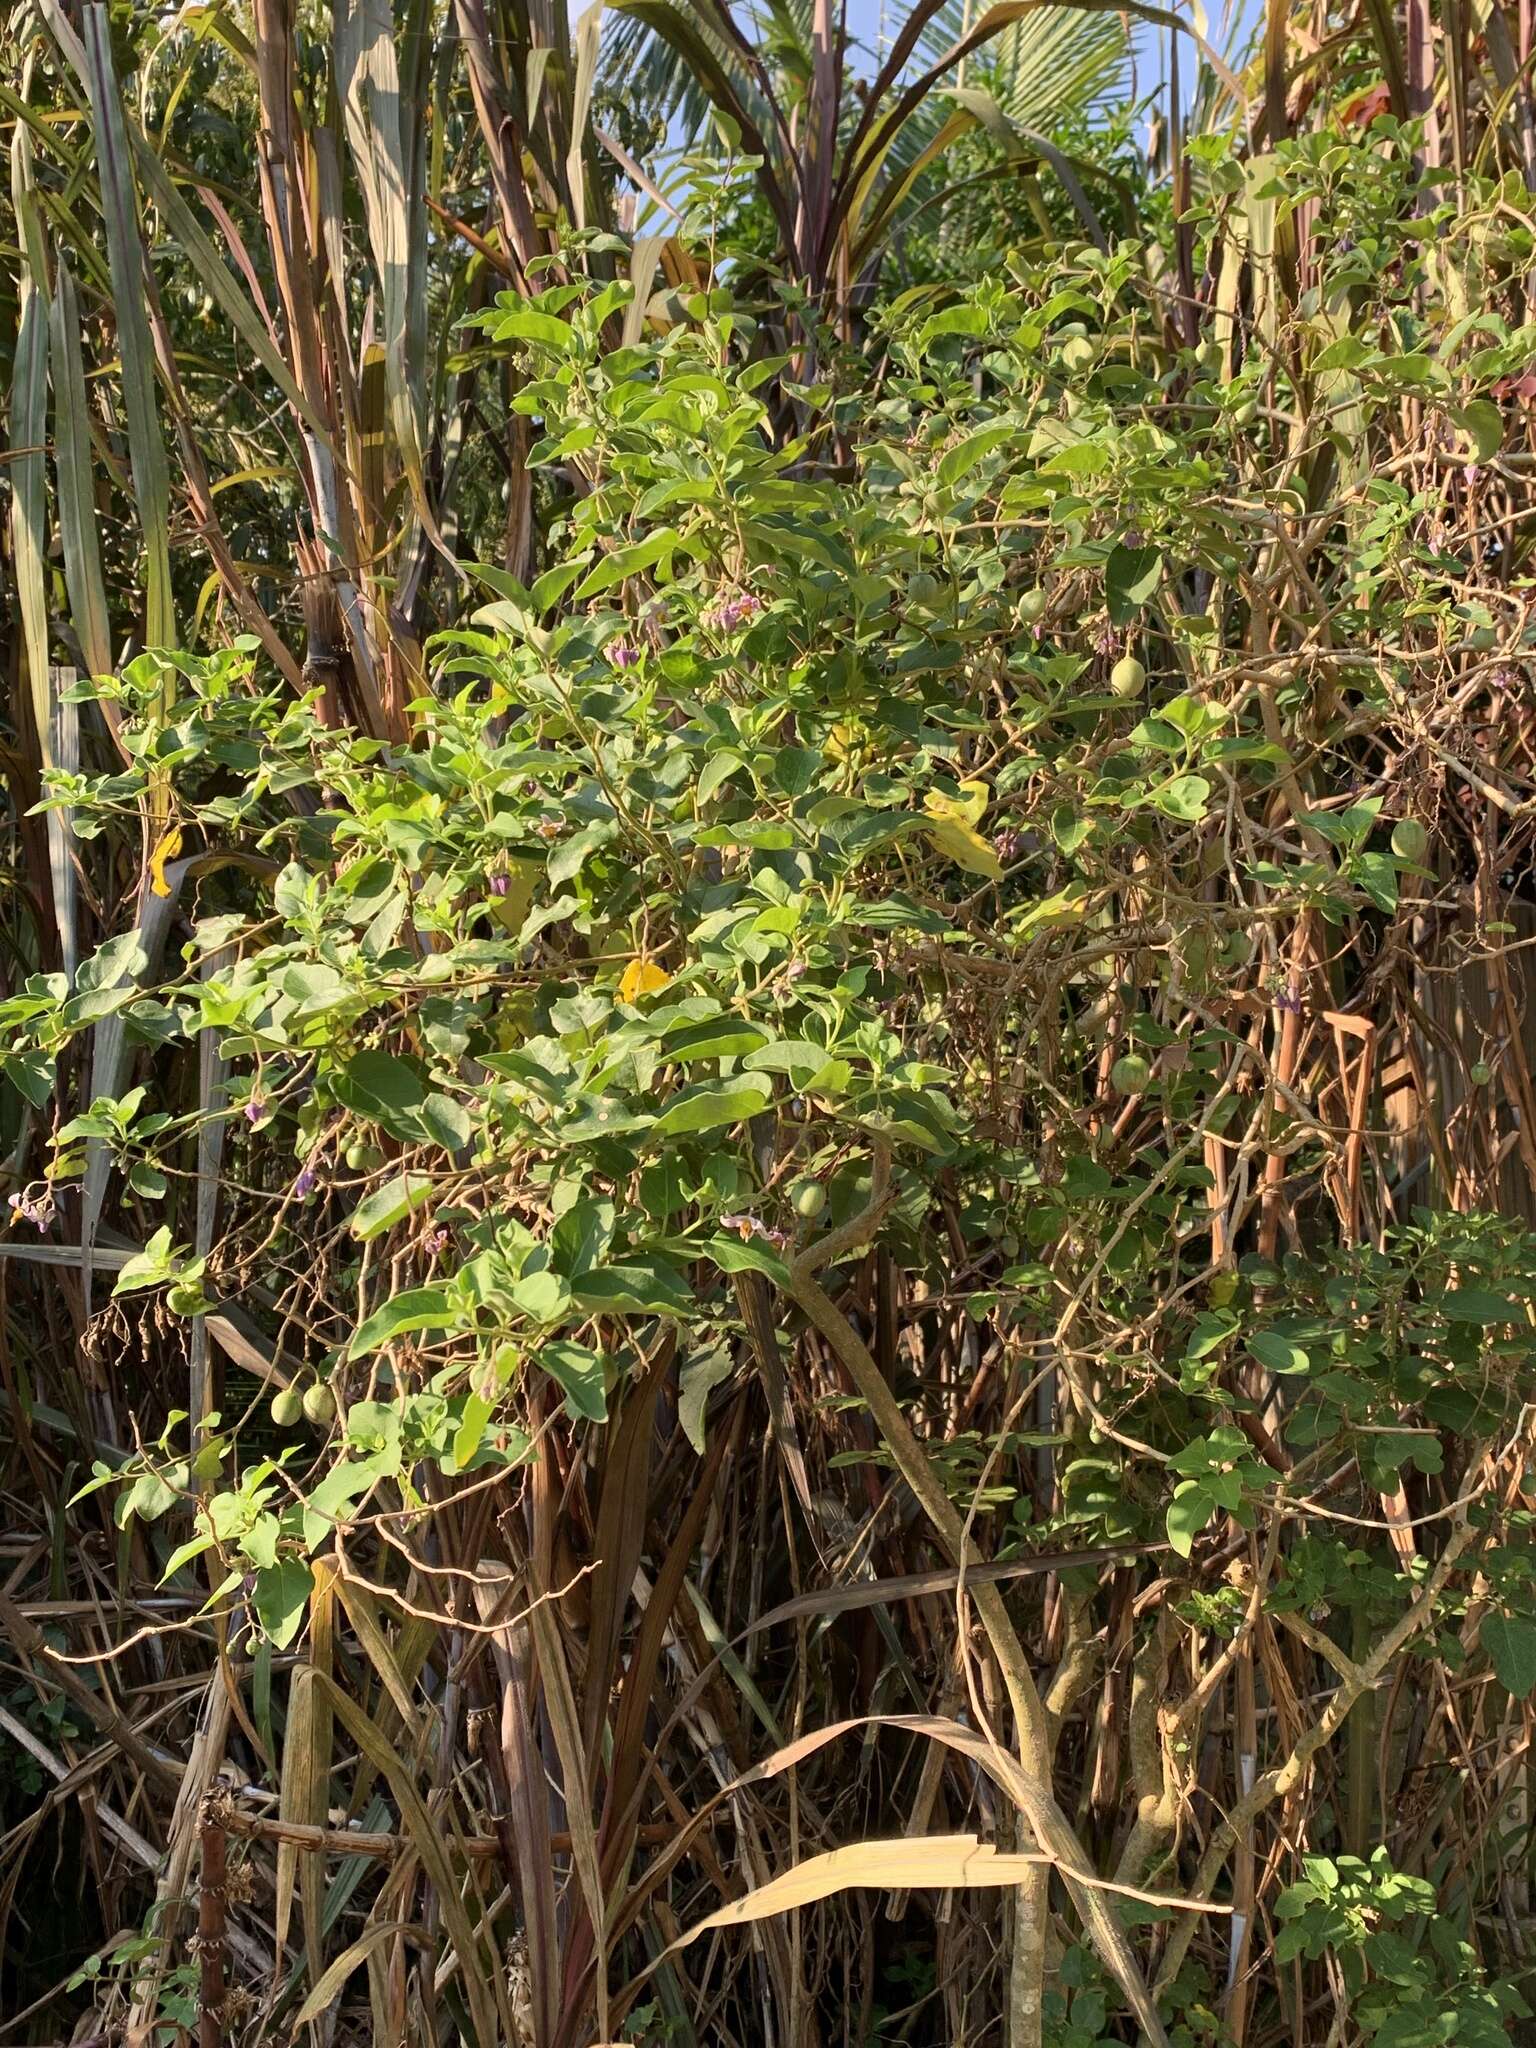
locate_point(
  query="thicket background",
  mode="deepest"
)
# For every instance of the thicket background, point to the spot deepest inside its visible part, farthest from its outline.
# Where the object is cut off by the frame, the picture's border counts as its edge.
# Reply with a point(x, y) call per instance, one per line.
point(765, 1021)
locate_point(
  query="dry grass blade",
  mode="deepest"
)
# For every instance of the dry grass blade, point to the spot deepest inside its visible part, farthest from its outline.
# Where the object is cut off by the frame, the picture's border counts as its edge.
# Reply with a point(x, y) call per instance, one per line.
point(146, 441)
point(28, 439)
point(927, 1862)
point(72, 473)
point(430, 1847)
point(368, 81)
point(300, 1799)
point(560, 1704)
point(333, 1980)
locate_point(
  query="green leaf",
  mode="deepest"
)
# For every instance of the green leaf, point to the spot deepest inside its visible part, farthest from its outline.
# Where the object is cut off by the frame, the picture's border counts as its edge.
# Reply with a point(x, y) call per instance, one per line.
point(581, 1236)
point(1185, 797)
point(706, 1107)
point(579, 1373)
point(448, 1122)
point(1510, 1641)
point(384, 1087)
point(527, 324)
point(1131, 575)
point(31, 1074)
point(960, 460)
point(1278, 1352)
point(1478, 1305)
point(390, 1204)
point(281, 1598)
point(746, 1255)
point(475, 1414)
point(1188, 1512)
point(148, 1268)
point(1483, 424)
point(631, 561)
point(543, 1295)
point(567, 859)
point(637, 1287)
point(716, 1038)
point(420, 1308)
point(696, 1382)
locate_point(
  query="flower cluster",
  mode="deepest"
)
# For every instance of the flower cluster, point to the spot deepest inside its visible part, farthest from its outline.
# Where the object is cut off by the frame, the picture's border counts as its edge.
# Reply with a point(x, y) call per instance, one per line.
point(728, 613)
point(34, 1209)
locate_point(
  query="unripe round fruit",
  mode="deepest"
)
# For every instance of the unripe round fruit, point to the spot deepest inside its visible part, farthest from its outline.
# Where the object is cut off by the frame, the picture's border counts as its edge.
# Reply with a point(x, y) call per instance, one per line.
point(1245, 414)
point(809, 1198)
point(921, 586)
point(286, 1407)
point(1008, 1245)
point(355, 1154)
point(1127, 678)
point(1032, 604)
point(319, 1403)
point(1078, 354)
point(1130, 1074)
point(1410, 842)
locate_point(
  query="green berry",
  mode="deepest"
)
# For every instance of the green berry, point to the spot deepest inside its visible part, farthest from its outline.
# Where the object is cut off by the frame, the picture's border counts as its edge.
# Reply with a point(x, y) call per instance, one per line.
point(319, 1403)
point(1032, 604)
point(1078, 354)
point(1130, 1074)
point(809, 1198)
point(286, 1407)
point(1410, 842)
point(1127, 678)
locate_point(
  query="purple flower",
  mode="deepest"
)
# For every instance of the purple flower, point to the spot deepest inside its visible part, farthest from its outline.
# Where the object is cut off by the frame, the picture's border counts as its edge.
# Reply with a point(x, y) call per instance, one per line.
point(731, 612)
point(255, 1110)
point(498, 884)
point(1289, 999)
point(624, 654)
point(797, 970)
point(747, 1227)
point(1008, 845)
point(39, 1213)
point(305, 1184)
point(436, 1241)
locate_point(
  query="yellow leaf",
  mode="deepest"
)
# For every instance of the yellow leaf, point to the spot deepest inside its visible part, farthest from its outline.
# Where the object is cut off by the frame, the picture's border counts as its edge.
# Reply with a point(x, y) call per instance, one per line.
point(642, 978)
point(510, 907)
point(1067, 906)
point(168, 849)
point(968, 808)
point(922, 1862)
point(966, 848)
